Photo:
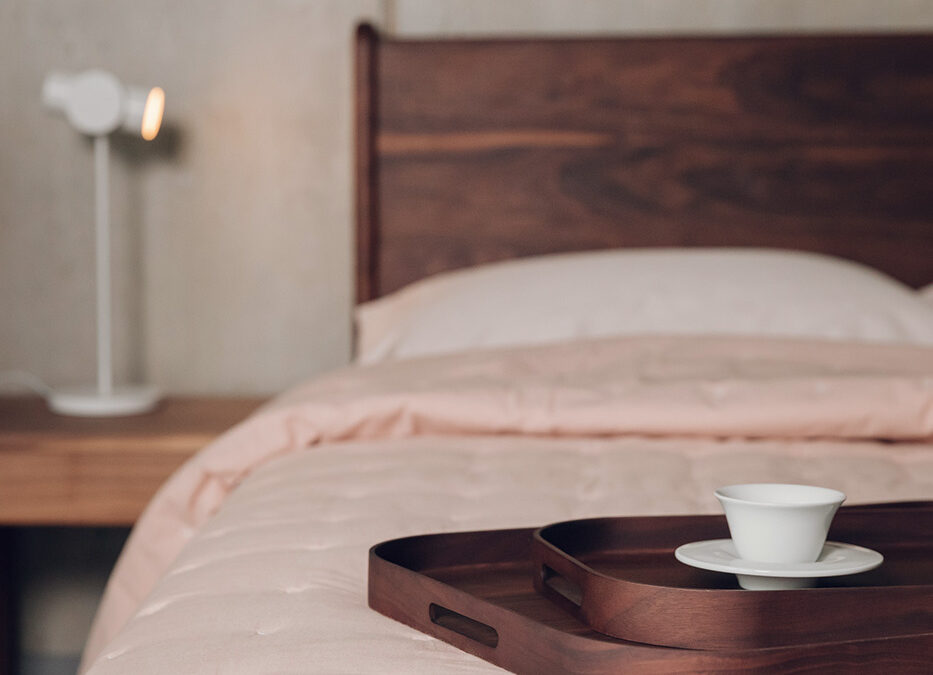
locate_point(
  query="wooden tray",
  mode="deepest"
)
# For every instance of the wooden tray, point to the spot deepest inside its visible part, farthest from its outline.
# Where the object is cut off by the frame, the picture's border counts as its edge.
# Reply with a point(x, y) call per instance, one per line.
point(619, 576)
point(474, 590)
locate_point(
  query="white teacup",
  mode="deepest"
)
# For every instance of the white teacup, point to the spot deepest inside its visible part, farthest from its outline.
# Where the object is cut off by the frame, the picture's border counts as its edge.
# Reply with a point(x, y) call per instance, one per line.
point(779, 523)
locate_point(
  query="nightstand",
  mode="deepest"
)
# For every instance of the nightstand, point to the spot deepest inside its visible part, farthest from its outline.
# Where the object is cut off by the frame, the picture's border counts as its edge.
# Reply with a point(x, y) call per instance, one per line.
point(57, 470)
point(76, 471)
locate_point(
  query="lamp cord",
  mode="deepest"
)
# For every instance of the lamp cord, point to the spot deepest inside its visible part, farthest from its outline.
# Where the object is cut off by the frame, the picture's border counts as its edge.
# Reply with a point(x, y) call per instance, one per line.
point(13, 380)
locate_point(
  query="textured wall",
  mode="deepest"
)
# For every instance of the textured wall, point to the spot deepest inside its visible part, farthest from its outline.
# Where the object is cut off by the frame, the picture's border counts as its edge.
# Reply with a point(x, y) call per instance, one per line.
point(494, 17)
point(233, 229)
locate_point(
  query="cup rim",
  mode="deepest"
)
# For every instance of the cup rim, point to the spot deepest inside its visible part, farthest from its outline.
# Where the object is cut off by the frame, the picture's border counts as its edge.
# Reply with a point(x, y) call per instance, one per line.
point(822, 496)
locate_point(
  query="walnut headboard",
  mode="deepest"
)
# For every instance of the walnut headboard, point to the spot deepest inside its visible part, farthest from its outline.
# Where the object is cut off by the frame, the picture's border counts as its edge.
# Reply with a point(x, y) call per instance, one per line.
point(472, 151)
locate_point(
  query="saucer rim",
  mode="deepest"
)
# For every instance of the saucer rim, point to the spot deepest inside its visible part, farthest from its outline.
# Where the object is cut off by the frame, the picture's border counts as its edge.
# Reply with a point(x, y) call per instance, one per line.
point(790, 570)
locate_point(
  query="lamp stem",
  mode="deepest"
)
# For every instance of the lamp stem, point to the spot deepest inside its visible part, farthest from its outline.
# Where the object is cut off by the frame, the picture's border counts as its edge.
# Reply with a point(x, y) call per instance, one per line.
point(102, 232)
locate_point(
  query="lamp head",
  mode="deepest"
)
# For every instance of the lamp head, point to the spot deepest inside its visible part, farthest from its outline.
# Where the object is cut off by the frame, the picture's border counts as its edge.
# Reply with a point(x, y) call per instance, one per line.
point(96, 103)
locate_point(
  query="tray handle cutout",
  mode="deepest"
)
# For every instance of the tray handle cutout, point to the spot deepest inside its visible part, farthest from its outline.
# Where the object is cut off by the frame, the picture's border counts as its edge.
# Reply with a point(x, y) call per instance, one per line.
point(464, 625)
point(561, 585)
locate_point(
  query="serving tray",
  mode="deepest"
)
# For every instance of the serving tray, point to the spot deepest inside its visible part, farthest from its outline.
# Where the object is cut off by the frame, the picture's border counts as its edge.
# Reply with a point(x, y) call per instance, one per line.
point(619, 576)
point(475, 591)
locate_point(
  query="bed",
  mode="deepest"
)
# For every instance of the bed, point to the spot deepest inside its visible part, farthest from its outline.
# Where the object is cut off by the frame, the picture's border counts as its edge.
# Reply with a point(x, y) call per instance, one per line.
point(596, 277)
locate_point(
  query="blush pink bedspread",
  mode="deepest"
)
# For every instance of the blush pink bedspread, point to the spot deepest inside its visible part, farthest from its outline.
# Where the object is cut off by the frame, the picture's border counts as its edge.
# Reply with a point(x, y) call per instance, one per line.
point(647, 425)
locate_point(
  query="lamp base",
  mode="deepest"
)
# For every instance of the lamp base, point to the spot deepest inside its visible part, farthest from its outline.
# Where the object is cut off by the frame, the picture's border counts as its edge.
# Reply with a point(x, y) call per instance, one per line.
point(89, 402)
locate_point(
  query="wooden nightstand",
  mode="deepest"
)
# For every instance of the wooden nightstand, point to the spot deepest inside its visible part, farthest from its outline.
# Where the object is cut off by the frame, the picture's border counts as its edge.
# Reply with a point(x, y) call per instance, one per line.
point(57, 470)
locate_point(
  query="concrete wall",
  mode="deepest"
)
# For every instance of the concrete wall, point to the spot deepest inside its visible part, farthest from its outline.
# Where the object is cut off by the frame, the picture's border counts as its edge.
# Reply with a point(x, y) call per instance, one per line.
point(231, 230)
point(495, 17)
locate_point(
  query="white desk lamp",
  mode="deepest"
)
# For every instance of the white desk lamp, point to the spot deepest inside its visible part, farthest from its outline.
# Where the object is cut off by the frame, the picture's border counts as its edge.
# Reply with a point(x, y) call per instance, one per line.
point(96, 104)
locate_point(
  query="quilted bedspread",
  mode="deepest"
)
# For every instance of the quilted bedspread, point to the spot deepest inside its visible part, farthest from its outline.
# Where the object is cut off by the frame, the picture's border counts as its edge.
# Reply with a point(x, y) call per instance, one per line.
point(252, 558)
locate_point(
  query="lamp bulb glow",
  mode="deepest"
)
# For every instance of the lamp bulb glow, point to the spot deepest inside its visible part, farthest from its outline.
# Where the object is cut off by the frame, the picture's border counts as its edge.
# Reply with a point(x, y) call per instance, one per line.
point(152, 113)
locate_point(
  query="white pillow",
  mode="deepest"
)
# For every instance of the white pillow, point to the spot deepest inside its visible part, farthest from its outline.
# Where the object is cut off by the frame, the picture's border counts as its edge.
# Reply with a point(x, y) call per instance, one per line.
point(927, 293)
point(642, 291)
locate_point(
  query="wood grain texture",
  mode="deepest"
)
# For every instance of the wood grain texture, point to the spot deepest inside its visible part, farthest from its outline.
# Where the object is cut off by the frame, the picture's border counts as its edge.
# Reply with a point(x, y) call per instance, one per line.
point(484, 150)
point(486, 578)
point(629, 585)
point(367, 207)
point(58, 470)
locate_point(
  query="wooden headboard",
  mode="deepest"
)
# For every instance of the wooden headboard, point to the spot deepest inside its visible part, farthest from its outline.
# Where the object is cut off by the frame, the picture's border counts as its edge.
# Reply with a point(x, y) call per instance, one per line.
point(472, 151)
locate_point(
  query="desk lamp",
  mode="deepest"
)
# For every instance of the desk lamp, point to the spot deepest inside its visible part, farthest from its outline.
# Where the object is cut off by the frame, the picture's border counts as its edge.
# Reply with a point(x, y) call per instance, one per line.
point(97, 104)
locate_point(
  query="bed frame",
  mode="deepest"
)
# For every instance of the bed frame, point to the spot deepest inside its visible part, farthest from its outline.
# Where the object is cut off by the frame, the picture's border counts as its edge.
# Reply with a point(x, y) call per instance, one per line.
point(472, 151)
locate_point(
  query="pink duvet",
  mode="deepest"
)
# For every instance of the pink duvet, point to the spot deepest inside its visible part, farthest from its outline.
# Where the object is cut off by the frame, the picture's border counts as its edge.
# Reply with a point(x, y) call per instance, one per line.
point(663, 420)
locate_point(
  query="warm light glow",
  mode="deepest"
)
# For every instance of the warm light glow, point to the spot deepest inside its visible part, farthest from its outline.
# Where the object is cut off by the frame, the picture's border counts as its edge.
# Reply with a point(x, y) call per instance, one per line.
point(152, 113)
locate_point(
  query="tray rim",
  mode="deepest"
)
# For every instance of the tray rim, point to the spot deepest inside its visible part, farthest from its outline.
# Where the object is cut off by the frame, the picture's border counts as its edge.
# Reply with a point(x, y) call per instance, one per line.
point(596, 573)
point(585, 655)
point(604, 620)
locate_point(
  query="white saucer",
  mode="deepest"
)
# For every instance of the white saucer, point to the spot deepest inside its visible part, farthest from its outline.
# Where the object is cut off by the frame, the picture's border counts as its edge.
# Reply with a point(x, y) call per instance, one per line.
point(835, 560)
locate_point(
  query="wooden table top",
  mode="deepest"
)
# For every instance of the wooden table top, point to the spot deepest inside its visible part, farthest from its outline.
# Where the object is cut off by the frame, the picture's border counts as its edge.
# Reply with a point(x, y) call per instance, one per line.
point(59, 470)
